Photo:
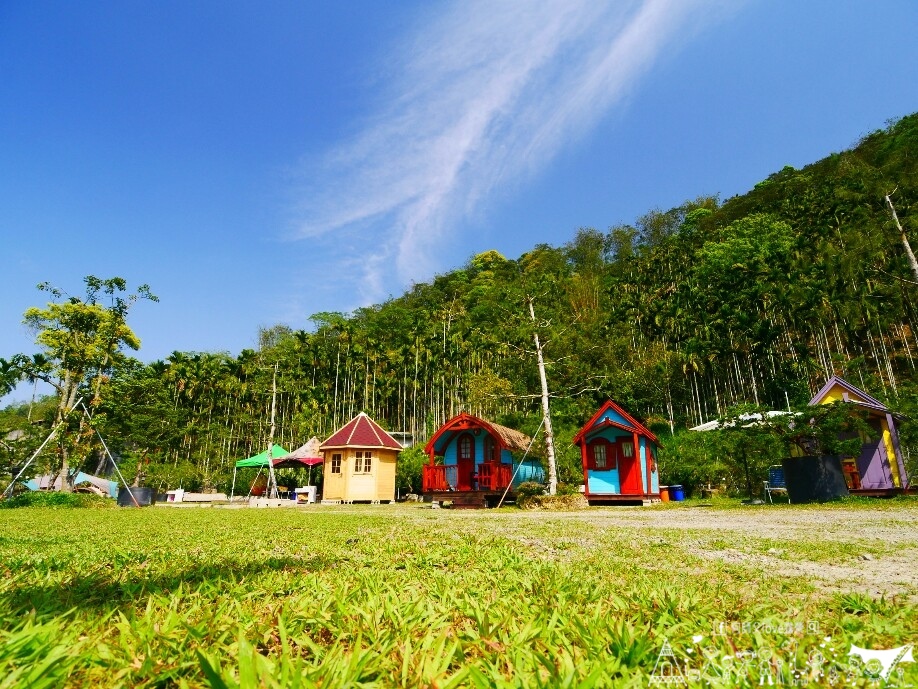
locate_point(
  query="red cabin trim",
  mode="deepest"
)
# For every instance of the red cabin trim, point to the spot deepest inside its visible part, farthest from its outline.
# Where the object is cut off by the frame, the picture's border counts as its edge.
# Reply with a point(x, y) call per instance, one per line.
point(610, 405)
point(462, 422)
point(586, 474)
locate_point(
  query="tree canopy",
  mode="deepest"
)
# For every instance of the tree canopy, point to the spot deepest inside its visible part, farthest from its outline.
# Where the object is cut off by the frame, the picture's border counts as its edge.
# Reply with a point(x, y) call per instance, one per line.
point(680, 317)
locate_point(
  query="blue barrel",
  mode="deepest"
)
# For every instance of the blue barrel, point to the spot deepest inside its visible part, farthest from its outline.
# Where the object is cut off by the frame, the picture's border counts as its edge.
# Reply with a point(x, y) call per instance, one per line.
point(676, 493)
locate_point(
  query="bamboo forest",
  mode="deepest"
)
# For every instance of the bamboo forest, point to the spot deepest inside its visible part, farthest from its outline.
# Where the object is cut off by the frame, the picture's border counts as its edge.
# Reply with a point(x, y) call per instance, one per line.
point(682, 316)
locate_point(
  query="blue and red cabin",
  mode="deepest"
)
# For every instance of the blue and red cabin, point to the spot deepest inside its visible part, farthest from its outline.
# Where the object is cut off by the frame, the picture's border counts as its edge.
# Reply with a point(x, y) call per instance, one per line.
point(472, 462)
point(619, 456)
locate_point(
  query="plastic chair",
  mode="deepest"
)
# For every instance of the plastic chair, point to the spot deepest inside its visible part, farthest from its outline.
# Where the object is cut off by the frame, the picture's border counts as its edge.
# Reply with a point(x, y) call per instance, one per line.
point(775, 483)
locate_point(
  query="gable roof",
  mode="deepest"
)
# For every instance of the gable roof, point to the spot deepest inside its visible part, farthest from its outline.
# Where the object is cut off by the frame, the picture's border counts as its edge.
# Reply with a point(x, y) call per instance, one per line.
point(861, 397)
point(507, 438)
point(594, 424)
point(362, 431)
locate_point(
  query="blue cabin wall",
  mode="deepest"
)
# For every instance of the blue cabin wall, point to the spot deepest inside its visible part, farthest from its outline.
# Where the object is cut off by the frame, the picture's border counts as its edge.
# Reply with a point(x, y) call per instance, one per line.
point(614, 416)
point(531, 470)
point(607, 481)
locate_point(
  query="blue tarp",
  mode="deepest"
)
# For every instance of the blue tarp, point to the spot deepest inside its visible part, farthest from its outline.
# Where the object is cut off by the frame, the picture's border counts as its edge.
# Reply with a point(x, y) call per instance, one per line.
point(42, 483)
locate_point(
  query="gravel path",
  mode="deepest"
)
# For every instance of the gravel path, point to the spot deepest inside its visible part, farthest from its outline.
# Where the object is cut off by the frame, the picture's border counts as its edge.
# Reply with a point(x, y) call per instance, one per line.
point(871, 551)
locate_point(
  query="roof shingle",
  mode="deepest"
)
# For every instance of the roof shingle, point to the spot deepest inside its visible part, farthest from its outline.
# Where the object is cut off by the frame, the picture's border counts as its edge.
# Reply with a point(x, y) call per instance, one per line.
point(362, 431)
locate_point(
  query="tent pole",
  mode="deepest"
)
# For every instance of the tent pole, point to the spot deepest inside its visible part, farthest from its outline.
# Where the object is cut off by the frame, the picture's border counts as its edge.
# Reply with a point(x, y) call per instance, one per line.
point(253, 482)
point(9, 488)
point(114, 463)
point(516, 471)
point(233, 487)
point(272, 479)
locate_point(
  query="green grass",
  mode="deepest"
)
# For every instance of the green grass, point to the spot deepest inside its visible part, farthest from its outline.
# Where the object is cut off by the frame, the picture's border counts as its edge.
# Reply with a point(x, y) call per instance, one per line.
point(404, 596)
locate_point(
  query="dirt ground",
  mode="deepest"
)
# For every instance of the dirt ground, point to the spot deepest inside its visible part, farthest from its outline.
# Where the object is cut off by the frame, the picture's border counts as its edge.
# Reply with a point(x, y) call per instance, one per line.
point(872, 551)
point(875, 551)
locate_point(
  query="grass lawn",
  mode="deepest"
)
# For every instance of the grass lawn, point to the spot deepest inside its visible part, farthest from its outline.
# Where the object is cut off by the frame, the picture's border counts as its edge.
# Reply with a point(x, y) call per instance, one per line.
point(413, 597)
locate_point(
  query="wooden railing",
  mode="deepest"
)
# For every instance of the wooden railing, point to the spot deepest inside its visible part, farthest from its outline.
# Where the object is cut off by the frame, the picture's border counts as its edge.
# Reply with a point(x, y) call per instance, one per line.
point(444, 477)
point(494, 475)
point(438, 477)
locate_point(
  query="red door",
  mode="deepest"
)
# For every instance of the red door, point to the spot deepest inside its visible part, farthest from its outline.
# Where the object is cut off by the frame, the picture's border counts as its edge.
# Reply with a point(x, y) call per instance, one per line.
point(465, 462)
point(629, 468)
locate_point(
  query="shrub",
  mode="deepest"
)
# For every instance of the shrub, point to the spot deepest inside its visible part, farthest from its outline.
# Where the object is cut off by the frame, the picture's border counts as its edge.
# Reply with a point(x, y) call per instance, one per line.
point(557, 503)
point(57, 500)
point(529, 489)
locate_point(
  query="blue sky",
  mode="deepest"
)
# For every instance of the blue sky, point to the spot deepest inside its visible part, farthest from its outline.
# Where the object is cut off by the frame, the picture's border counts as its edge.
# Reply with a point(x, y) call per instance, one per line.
point(256, 163)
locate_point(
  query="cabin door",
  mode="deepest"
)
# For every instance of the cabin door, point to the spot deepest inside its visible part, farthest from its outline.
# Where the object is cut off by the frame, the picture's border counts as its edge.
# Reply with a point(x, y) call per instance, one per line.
point(465, 462)
point(629, 468)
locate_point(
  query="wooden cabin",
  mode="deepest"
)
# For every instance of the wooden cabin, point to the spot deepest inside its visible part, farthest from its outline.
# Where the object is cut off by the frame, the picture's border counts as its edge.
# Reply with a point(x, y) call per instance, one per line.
point(619, 456)
point(880, 468)
point(472, 463)
point(359, 463)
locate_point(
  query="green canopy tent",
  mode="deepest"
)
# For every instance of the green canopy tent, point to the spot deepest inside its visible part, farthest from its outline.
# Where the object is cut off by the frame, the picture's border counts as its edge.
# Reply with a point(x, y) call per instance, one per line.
point(259, 461)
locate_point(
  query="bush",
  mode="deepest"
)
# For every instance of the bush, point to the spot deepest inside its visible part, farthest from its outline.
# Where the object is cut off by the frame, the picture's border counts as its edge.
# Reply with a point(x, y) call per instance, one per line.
point(529, 489)
point(57, 500)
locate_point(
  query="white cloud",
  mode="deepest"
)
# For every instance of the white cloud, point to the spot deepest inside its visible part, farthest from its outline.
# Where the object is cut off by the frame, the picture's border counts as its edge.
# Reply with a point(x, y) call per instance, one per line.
point(484, 96)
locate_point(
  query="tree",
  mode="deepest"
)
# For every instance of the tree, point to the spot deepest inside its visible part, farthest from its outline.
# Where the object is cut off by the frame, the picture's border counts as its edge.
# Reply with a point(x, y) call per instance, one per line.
point(82, 339)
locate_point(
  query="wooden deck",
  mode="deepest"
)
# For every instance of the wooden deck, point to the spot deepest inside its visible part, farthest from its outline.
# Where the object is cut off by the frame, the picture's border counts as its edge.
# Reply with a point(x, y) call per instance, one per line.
point(470, 499)
point(883, 492)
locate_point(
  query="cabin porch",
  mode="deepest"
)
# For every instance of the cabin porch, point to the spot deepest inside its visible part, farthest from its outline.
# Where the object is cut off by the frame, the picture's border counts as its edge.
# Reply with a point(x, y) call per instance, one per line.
point(484, 477)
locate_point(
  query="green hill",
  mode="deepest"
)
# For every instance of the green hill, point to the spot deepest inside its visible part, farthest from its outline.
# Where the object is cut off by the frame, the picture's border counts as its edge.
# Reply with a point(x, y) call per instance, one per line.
point(679, 317)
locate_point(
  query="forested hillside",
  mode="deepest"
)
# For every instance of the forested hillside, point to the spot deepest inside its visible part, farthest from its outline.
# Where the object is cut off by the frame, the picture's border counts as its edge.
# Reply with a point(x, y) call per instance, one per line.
point(679, 317)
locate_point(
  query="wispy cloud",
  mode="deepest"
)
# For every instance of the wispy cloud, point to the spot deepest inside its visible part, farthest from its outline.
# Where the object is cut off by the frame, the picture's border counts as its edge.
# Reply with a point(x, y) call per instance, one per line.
point(484, 95)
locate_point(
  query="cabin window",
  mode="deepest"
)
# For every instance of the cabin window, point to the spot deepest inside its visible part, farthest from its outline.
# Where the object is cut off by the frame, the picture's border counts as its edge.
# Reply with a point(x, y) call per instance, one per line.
point(336, 464)
point(465, 447)
point(599, 456)
point(363, 463)
point(627, 449)
point(490, 449)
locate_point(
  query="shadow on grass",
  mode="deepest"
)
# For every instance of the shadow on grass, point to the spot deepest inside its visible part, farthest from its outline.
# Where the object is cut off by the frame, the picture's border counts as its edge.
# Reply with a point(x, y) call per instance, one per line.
point(106, 590)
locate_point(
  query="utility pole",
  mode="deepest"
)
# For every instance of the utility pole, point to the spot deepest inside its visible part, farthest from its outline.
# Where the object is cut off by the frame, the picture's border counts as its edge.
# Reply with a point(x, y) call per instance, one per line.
point(546, 414)
point(908, 249)
point(272, 479)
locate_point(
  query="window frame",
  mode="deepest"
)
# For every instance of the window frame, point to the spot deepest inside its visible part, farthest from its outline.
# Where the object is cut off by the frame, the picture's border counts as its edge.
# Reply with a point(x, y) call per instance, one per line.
point(600, 451)
point(465, 442)
point(609, 451)
point(627, 445)
point(336, 463)
point(363, 462)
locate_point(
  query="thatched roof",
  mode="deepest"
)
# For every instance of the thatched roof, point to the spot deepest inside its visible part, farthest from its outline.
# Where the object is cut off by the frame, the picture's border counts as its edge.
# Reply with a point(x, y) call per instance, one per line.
point(514, 440)
point(509, 438)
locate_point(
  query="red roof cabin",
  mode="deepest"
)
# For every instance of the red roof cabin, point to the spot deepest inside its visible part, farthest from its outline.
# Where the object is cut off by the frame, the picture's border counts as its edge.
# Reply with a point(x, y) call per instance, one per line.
point(359, 463)
point(472, 463)
point(619, 456)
